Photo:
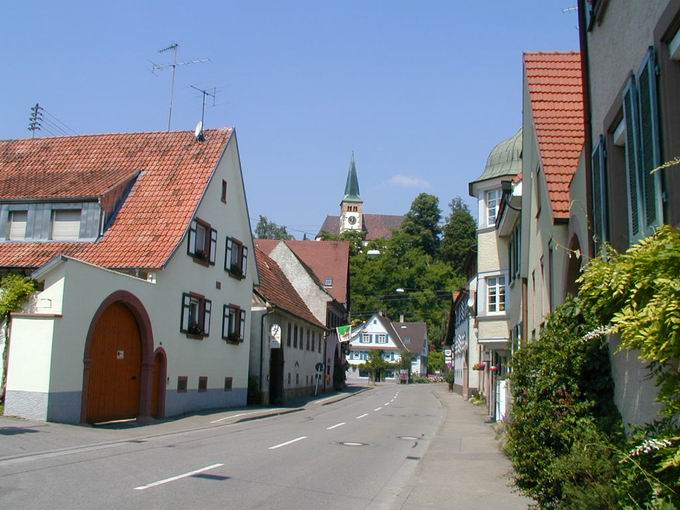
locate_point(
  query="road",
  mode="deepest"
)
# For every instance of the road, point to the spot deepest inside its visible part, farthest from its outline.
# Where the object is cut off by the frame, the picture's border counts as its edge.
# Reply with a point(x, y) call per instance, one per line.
point(357, 453)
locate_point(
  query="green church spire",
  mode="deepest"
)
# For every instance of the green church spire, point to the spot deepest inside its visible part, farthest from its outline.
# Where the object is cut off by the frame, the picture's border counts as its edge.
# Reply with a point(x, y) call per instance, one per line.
point(352, 185)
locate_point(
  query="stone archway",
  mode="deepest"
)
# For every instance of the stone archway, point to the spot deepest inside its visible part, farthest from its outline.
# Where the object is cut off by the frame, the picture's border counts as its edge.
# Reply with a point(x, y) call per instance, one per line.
point(118, 361)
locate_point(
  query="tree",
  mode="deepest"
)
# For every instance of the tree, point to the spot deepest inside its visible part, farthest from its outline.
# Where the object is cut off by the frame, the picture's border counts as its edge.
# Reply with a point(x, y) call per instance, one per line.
point(375, 364)
point(435, 362)
point(15, 290)
point(421, 223)
point(266, 229)
point(459, 236)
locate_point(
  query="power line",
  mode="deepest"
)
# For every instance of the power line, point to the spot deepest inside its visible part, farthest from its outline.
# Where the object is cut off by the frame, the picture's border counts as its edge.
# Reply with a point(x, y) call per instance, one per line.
point(56, 119)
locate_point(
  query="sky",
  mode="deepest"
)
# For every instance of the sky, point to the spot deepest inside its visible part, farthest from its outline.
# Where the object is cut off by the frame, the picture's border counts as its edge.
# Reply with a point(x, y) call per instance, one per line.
point(420, 91)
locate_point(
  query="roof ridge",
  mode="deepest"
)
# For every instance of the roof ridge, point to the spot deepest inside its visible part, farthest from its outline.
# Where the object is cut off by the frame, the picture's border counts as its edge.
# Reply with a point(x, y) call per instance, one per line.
point(119, 133)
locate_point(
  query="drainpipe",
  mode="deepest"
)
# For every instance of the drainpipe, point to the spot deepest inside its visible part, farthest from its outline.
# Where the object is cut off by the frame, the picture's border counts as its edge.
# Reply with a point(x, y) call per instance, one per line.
point(270, 310)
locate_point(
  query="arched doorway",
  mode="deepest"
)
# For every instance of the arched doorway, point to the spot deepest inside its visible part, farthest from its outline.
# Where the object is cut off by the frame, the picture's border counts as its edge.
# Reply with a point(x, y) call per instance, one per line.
point(158, 384)
point(118, 361)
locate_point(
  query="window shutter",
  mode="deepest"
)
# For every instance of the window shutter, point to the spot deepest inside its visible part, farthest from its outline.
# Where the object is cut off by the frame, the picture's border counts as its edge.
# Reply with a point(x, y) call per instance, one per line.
point(630, 117)
point(650, 153)
point(207, 309)
point(213, 245)
point(242, 329)
point(191, 243)
point(225, 321)
point(184, 320)
point(244, 260)
point(227, 257)
point(66, 225)
point(600, 205)
point(17, 225)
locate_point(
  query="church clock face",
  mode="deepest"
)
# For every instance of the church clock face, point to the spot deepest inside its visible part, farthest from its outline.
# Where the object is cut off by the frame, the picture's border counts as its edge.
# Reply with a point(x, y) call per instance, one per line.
point(352, 220)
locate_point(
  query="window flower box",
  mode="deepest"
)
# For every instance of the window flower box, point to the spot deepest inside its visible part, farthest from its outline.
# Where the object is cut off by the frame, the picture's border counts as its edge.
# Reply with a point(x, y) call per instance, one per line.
point(479, 366)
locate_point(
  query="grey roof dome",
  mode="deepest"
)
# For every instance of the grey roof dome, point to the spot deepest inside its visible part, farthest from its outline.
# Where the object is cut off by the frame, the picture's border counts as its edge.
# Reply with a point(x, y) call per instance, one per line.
point(504, 159)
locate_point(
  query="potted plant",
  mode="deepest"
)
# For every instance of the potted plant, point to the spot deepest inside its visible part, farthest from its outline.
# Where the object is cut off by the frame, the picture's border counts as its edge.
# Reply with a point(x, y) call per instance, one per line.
point(493, 369)
point(450, 378)
point(479, 366)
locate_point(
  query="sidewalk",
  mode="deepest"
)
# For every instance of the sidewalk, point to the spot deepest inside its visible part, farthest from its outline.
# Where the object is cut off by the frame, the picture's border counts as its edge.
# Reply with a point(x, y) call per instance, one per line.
point(22, 438)
point(463, 468)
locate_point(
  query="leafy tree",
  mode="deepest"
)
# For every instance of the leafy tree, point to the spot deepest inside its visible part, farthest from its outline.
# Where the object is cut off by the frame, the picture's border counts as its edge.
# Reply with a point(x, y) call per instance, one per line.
point(459, 236)
point(375, 363)
point(405, 359)
point(15, 290)
point(435, 362)
point(266, 229)
point(421, 224)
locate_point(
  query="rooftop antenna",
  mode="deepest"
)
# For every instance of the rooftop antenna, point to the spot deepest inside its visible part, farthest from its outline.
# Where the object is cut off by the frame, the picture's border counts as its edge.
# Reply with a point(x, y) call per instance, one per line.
point(160, 67)
point(35, 119)
point(205, 93)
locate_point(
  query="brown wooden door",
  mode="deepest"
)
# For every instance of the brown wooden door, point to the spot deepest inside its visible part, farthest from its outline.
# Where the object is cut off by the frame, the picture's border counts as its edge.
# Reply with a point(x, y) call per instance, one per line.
point(156, 385)
point(115, 367)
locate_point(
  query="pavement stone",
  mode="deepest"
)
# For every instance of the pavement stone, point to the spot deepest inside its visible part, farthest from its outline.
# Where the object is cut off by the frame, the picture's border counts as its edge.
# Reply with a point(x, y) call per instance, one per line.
point(463, 467)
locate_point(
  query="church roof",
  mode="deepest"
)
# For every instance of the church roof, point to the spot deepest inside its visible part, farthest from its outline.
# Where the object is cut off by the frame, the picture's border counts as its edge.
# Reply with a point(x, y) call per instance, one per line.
point(352, 184)
point(376, 226)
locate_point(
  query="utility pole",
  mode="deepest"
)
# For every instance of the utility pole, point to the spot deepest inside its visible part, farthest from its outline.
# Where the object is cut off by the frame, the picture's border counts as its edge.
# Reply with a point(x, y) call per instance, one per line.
point(35, 119)
point(205, 93)
point(160, 67)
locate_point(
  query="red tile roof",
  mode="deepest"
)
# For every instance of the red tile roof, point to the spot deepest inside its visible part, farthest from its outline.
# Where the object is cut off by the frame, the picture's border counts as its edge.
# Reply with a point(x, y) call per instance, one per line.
point(277, 289)
point(556, 95)
point(376, 226)
point(175, 171)
point(326, 259)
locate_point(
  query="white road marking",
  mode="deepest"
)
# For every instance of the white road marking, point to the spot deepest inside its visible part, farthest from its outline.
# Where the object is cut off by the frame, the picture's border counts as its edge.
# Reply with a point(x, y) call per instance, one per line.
point(335, 426)
point(288, 442)
point(178, 477)
point(244, 414)
point(377, 409)
point(387, 403)
point(362, 416)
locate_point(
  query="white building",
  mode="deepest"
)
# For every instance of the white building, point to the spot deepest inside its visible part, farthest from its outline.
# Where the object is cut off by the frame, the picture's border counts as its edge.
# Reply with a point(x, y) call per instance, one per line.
point(380, 334)
point(144, 255)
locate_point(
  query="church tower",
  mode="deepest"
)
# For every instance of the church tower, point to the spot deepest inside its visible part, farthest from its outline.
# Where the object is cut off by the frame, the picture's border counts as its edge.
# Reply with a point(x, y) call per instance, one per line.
point(351, 207)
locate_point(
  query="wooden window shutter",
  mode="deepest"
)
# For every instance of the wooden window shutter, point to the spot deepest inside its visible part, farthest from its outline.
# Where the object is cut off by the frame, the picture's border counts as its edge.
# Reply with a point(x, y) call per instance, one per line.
point(225, 321)
point(600, 205)
point(212, 248)
point(649, 142)
point(207, 310)
point(191, 244)
point(244, 260)
point(227, 257)
point(632, 164)
point(184, 320)
point(242, 327)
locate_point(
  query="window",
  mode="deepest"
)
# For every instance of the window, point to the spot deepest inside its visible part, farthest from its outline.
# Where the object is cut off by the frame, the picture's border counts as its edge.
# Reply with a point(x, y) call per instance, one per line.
point(493, 199)
point(227, 383)
point(224, 191)
point(288, 336)
point(297, 379)
point(313, 341)
point(233, 323)
point(288, 378)
point(203, 383)
point(381, 338)
point(295, 337)
point(328, 282)
point(320, 337)
point(643, 150)
point(236, 259)
point(17, 225)
point(195, 318)
point(600, 204)
point(366, 338)
point(515, 251)
point(202, 242)
point(65, 225)
point(182, 384)
point(495, 287)
point(307, 345)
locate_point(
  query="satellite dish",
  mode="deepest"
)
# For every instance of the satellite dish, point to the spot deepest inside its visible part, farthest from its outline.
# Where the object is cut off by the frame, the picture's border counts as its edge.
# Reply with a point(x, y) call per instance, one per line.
point(198, 132)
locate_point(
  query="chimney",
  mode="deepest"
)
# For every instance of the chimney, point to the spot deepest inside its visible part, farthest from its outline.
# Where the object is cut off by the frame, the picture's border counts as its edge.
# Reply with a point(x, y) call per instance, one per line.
point(380, 313)
point(401, 317)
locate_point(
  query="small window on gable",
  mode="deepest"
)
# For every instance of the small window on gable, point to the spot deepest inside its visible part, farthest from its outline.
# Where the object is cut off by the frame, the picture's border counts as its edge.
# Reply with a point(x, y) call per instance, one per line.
point(233, 323)
point(196, 312)
point(236, 258)
point(328, 282)
point(381, 338)
point(224, 191)
point(202, 242)
point(17, 225)
point(65, 224)
point(366, 338)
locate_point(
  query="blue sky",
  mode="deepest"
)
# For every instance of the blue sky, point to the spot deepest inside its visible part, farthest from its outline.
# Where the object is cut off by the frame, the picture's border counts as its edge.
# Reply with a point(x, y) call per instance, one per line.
point(421, 91)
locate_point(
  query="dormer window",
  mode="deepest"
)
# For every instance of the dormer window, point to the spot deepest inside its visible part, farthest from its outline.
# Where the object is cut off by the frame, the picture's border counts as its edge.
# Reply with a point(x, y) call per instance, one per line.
point(236, 258)
point(17, 225)
point(328, 282)
point(202, 245)
point(65, 225)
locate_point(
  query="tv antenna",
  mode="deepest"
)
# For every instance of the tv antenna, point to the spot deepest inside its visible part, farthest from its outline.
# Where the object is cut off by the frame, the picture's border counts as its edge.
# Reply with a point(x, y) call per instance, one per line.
point(205, 93)
point(35, 119)
point(160, 67)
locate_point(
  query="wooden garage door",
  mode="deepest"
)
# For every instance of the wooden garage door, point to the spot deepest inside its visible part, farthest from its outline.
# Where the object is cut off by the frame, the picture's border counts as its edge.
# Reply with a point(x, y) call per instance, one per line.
point(115, 367)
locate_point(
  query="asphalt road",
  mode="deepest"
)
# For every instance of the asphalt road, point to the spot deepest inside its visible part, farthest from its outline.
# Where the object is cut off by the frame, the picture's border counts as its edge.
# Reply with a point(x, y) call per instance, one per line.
point(357, 453)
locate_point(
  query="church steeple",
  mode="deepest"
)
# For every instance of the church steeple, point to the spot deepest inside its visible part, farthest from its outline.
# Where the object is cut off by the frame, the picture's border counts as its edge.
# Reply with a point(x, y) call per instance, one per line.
point(352, 185)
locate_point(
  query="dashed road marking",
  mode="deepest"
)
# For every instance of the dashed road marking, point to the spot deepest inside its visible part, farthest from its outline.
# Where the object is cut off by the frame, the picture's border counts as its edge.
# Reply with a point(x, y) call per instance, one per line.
point(335, 426)
point(178, 477)
point(377, 409)
point(362, 416)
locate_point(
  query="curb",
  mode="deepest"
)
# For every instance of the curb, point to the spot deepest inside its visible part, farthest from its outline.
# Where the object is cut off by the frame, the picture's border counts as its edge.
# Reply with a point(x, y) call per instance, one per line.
point(344, 397)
